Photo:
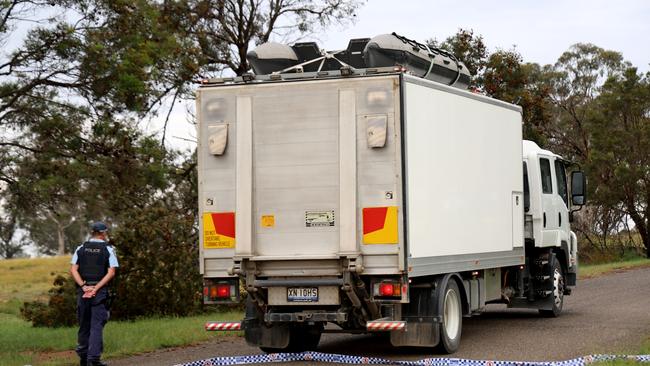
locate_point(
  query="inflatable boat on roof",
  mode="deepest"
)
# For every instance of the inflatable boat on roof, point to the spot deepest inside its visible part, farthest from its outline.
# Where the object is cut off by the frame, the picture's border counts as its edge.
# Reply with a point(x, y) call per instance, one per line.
point(384, 50)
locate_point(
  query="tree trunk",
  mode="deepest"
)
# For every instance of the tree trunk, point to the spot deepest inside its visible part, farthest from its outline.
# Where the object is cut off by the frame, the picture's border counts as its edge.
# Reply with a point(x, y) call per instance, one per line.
point(60, 236)
point(643, 232)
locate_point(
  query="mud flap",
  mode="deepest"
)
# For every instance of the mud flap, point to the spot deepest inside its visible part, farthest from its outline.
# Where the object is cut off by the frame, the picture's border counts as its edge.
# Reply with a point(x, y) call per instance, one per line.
point(417, 335)
point(258, 335)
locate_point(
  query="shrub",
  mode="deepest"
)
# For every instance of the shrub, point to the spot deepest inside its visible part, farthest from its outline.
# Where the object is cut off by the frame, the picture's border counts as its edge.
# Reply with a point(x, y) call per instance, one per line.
point(60, 309)
point(159, 268)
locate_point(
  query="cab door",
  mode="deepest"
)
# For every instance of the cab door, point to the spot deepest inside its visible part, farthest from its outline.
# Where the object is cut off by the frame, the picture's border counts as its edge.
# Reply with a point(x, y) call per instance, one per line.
point(562, 201)
point(550, 222)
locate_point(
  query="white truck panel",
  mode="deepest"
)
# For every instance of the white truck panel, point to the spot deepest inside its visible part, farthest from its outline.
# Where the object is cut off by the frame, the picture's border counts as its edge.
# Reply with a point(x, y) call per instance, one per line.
point(464, 174)
point(348, 173)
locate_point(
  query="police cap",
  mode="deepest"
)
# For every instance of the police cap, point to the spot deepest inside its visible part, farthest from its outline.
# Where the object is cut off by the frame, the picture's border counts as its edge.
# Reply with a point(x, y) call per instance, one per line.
point(99, 227)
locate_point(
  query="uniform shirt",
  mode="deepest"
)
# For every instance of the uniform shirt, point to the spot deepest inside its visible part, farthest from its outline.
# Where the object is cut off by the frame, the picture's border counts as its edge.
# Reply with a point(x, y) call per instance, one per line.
point(112, 258)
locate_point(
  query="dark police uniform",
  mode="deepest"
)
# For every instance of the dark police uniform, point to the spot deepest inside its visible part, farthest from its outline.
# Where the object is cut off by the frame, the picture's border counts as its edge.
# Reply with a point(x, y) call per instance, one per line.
point(94, 257)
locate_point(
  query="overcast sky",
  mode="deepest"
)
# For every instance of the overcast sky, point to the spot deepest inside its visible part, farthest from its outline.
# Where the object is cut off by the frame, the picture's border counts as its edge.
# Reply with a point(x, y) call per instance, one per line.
point(541, 29)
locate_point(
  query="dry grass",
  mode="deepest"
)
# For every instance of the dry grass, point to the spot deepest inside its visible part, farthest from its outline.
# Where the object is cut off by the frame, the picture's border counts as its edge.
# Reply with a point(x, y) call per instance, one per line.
point(29, 279)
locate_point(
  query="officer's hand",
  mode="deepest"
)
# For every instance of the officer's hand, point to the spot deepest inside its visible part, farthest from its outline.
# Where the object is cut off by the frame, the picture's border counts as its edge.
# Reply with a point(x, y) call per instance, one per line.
point(86, 288)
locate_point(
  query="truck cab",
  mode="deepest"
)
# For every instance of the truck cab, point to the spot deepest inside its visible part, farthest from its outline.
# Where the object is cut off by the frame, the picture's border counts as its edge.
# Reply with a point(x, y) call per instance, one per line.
point(548, 208)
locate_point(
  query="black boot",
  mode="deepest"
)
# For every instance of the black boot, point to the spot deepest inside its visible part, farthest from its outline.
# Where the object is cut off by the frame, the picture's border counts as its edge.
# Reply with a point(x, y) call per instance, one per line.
point(97, 363)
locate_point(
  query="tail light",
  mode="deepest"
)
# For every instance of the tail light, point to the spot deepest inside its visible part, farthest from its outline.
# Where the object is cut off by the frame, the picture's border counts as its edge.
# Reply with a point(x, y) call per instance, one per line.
point(223, 291)
point(220, 290)
point(387, 289)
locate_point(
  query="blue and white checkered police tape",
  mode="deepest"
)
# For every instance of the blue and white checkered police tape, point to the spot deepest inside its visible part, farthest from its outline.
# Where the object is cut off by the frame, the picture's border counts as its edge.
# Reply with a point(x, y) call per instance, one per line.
point(359, 360)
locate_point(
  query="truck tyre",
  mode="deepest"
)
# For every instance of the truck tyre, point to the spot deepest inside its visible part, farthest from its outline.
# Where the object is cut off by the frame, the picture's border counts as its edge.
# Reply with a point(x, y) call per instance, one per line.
point(557, 276)
point(452, 319)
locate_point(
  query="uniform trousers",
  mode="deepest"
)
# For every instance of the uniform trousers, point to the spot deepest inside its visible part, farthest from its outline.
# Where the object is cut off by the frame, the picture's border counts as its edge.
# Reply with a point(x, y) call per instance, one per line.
point(92, 315)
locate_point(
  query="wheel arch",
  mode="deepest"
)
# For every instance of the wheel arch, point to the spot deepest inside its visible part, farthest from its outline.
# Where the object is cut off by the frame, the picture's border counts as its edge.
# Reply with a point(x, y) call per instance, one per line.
point(441, 285)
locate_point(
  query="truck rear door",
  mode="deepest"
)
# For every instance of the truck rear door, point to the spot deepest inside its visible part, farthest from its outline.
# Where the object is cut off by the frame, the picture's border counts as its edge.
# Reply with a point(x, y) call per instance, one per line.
point(305, 172)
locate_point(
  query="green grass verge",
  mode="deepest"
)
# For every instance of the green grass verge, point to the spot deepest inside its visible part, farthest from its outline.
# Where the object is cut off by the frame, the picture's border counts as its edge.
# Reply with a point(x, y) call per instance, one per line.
point(644, 350)
point(593, 270)
point(22, 344)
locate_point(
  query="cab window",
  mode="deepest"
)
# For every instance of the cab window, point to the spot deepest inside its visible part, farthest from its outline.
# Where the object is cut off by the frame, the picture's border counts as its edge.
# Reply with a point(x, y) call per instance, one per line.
point(526, 189)
point(560, 176)
point(547, 180)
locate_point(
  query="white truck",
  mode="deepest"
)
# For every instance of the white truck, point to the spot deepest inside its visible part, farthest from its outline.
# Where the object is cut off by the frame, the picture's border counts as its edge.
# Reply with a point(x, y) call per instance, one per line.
point(372, 199)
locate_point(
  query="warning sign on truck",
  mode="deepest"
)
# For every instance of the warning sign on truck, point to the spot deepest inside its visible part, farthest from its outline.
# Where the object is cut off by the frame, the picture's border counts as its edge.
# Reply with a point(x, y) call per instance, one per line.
point(218, 230)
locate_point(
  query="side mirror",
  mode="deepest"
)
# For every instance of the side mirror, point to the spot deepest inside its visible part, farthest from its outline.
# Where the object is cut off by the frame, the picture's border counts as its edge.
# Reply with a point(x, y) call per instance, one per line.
point(578, 188)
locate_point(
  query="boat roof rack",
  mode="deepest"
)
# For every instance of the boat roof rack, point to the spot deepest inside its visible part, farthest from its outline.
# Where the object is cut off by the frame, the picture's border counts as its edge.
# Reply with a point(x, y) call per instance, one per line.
point(344, 71)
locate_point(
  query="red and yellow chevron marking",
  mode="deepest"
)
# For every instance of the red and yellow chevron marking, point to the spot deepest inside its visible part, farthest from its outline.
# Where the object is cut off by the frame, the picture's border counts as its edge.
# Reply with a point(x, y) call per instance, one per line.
point(380, 225)
point(218, 230)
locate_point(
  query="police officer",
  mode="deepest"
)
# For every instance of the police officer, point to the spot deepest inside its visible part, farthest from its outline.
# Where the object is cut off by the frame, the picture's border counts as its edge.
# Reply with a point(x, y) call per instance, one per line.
point(93, 267)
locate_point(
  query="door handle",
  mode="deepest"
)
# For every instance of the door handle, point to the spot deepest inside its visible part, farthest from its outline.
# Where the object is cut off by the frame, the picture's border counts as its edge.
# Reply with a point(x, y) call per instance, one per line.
point(544, 219)
point(559, 218)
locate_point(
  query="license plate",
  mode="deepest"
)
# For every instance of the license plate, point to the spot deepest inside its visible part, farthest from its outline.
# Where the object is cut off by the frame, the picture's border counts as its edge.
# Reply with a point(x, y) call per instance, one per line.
point(302, 294)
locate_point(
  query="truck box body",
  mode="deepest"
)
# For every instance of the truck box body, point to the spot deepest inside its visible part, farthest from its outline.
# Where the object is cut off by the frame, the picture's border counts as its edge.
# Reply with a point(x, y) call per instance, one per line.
point(397, 174)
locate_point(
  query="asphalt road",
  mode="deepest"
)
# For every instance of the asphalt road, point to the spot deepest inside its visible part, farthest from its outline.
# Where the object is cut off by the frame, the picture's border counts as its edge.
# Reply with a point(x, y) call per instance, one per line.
point(607, 314)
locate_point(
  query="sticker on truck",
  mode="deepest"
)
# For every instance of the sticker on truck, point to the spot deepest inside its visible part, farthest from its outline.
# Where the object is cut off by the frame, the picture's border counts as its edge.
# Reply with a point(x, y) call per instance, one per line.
point(268, 220)
point(218, 230)
point(380, 225)
point(319, 218)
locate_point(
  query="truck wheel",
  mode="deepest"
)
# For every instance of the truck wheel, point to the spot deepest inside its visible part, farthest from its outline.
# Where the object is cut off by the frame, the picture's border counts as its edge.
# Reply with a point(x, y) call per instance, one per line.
point(452, 319)
point(558, 290)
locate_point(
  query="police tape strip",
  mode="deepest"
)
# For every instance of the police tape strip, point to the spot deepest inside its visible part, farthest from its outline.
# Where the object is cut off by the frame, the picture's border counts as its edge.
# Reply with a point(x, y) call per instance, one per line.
point(358, 360)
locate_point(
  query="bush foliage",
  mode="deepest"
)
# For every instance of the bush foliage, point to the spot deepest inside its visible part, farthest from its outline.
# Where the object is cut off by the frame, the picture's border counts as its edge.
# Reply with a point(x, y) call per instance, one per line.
point(59, 311)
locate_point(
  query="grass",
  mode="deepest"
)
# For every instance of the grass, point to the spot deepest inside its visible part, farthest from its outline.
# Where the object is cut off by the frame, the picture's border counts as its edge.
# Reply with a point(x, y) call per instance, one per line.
point(644, 350)
point(28, 279)
point(593, 270)
point(21, 344)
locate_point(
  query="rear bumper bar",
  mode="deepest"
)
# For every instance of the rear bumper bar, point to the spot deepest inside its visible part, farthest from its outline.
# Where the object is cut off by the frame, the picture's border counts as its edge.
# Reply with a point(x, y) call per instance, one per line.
point(300, 317)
